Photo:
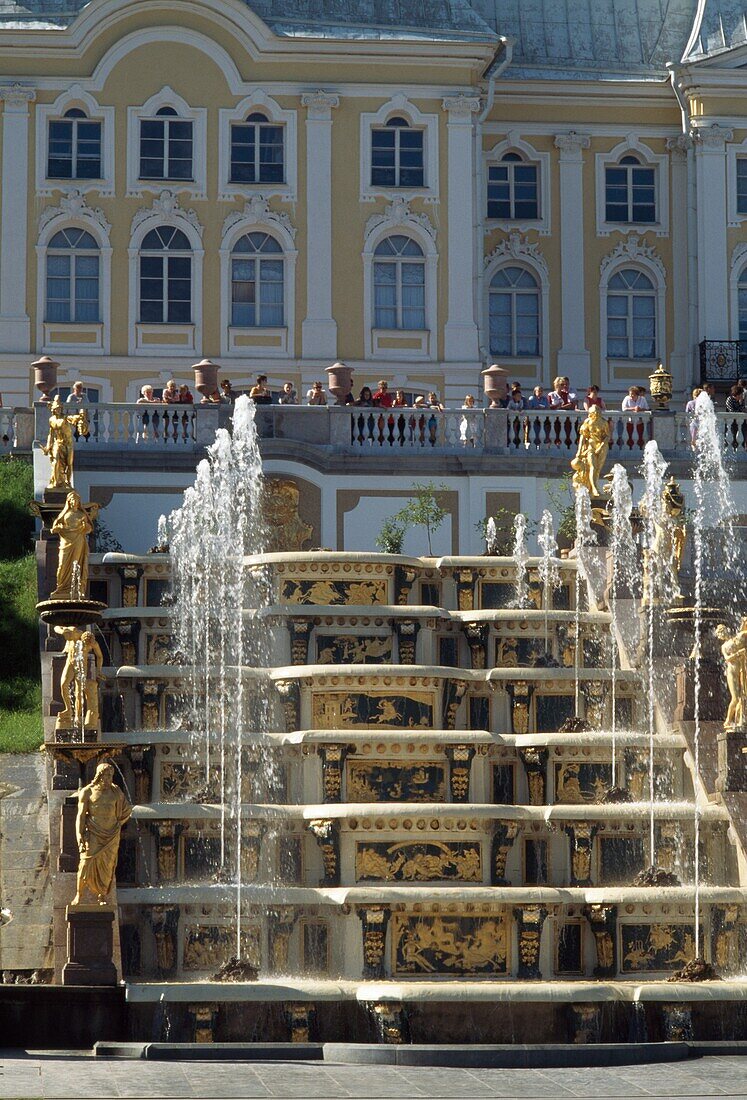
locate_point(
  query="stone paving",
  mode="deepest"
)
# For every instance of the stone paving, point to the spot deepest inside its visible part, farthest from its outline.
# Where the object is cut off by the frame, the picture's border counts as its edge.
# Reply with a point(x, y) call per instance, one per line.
point(58, 1075)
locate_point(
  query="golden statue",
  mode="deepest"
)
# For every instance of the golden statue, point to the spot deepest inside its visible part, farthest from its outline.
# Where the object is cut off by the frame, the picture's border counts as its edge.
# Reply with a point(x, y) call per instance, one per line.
point(74, 524)
point(670, 536)
point(81, 650)
point(593, 446)
point(734, 652)
point(287, 530)
point(60, 444)
point(102, 811)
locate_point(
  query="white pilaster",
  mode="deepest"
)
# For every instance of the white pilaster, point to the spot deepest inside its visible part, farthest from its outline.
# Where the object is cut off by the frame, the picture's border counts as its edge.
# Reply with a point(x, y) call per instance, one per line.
point(573, 357)
point(679, 364)
point(15, 327)
point(319, 329)
point(461, 341)
point(713, 278)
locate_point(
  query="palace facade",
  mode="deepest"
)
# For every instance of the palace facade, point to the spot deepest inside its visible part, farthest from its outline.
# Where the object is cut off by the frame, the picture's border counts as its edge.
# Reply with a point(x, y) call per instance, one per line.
point(418, 189)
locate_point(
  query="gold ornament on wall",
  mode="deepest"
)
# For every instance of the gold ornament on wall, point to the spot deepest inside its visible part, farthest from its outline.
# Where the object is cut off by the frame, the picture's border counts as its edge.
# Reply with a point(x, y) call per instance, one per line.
point(287, 530)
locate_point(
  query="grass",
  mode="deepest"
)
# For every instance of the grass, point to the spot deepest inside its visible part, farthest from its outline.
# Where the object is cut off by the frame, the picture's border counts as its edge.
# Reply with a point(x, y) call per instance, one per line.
point(20, 689)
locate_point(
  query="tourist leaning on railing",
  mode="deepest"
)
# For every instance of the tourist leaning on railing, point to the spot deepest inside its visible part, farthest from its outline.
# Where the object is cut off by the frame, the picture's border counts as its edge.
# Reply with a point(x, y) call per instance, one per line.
point(170, 393)
point(538, 400)
point(147, 397)
point(185, 395)
point(593, 398)
point(433, 401)
point(365, 398)
point(516, 401)
point(289, 395)
point(227, 393)
point(735, 400)
point(316, 395)
point(77, 395)
point(382, 399)
point(260, 391)
point(400, 401)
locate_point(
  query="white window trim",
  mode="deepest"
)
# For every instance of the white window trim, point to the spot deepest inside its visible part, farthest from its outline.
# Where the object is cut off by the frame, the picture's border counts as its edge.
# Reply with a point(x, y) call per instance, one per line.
point(235, 227)
point(514, 144)
point(258, 101)
point(654, 269)
point(103, 327)
point(75, 96)
point(400, 105)
point(409, 226)
point(738, 265)
point(503, 257)
point(733, 153)
point(178, 220)
point(659, 162)
point(196, 188)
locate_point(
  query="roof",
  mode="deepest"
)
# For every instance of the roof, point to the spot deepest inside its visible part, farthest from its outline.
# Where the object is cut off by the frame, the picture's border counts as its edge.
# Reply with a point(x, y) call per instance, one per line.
point(721, 25)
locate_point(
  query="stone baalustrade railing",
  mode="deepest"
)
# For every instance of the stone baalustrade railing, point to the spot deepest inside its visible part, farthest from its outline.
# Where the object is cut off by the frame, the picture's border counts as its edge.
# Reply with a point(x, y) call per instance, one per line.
point(534, 433)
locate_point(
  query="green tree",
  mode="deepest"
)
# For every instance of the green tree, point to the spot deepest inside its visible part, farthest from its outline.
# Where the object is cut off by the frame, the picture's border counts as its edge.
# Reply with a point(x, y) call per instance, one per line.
point(424, 509)
point(391, 536)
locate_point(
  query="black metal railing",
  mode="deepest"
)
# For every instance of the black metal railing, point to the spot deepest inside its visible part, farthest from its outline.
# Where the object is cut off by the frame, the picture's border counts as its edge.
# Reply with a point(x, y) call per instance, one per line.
point(723, 361)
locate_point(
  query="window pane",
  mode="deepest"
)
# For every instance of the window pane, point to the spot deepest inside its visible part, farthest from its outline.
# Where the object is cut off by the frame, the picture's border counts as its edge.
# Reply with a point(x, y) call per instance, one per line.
point(59, 163)
point(617, 306)
point(618, 327)
point(742, 185)
point(617, 349)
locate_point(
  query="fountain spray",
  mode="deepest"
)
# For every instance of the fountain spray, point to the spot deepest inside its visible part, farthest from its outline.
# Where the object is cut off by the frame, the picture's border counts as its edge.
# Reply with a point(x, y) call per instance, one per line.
point(624, 568)
point(549, 569)
point(585, 537)
point(521, 557)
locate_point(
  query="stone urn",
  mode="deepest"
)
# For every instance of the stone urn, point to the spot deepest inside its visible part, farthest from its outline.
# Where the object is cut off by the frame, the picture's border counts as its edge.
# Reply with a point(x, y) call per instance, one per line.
point(339, 381)
point(45, 376)
point(494, 383)
point(660, 386)
point(206, 377)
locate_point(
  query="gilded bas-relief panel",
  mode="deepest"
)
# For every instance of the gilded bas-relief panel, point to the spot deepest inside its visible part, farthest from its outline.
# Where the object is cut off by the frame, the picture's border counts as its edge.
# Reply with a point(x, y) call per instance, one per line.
point(353, 709)
point(418, 861)
point(449, 945)
point(581, 782)
point(207, 947)
point(350, 649)
point(390, 781)
point(655, 946)
point(358, 593)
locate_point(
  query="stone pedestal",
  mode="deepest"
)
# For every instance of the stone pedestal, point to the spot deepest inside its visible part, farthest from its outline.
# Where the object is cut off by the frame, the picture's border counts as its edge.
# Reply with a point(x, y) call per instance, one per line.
point(732, 760)
point(90, 947)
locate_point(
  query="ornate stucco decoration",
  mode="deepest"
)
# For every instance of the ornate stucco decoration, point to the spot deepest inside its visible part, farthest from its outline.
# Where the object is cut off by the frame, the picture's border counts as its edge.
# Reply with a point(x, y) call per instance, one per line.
point(712, 137)
point(320, 104)
point(167, 205)
point(517, 247)
point(257, 211)
point(398, 213)
point(17, 96)
point(74, 205)
point(461, 107)
point(633, 248)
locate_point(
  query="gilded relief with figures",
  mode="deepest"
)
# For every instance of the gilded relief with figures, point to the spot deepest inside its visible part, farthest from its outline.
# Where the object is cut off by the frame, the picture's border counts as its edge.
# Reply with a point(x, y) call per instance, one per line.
point(418, 861)
point(449, 945)
point(209, 946)
point(350, 649)
point(390, 781)
point(330, 593)
point(656, 946)
point(354, 709)
point(581, 782)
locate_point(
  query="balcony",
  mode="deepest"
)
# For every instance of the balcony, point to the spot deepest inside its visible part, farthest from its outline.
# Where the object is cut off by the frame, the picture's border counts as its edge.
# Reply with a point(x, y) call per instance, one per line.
point(722, 361)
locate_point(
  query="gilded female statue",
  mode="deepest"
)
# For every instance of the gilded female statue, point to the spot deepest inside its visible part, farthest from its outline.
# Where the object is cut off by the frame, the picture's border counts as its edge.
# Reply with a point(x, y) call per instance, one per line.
point(593, 447)
point(102, 811)
point(80, 648)
point(73, 525)
point(734, 652)
point(60, 445)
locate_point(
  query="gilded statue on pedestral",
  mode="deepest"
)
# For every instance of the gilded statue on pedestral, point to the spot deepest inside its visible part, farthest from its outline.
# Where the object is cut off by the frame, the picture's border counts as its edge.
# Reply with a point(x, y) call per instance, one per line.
point(667, 551)
point(102, 811)
point(593, 446)
point(79, 683)
point(73, 525)
point(60, 445)
point(734, 652)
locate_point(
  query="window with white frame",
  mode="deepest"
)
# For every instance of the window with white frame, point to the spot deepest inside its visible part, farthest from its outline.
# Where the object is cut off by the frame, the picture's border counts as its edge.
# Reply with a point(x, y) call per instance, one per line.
point(741, 185)
point(513, 189)
point(72, 278)
point(399, 284)
point(257, 151)
point(166, 146)
point(631, 315)
point(165, 268)
point(514, 313)
point(257, 282)
point(397, 155)
point(742, 303)
point(74, 147)
point(630, 191)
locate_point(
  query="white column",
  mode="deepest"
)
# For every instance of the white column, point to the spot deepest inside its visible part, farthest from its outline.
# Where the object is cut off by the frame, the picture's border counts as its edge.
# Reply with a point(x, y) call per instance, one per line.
point(679, 358)
point(713, 273)
point(15, 327)
point(461, 341)
point(319, 329)
point(573, 357)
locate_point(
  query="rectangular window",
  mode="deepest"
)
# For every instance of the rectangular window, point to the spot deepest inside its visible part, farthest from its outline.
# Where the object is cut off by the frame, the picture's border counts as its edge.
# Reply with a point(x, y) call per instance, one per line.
point(513, 192)
point(72, 289)
point(165, 149)
point(257, 153)
point(257, 305)
point(74, 149)
point(742, 185)
point(165, 289)
point(630, 194)
point(397, 157)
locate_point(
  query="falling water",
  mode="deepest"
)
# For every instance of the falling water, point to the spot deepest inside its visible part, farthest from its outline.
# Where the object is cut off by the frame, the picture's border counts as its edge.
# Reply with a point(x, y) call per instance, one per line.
point(75, 585)
point(654, 470)
point(714, 511)
point(491, 536)
point(79, 696)
point(585, 537)
point(624, 568)
point(162, 538)
point(521, 557)
point(549, 570)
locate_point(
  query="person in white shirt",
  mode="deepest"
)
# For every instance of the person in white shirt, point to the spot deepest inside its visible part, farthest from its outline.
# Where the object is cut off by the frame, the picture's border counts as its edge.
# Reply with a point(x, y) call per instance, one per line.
point(635, 401)
point(77, 395)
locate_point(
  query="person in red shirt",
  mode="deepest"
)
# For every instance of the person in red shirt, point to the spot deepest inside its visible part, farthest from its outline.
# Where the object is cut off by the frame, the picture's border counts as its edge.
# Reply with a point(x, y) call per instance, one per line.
point(382, 397)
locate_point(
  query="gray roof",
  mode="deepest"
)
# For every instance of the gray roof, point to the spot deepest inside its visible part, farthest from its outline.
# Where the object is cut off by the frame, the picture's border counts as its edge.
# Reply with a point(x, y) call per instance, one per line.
point(721, 27)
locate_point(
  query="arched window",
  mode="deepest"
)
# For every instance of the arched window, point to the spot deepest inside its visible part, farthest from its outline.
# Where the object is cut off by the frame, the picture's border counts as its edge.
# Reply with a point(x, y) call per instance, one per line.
point(257, 151)
point(399, 284)
point(397, 155)
point(74, 147)
point(742, 303)
point(165, 277)
point(166, 146)
point(72, 277)
point(514, 309)
point(631, 316)
point(630, 191)
point(513, 189)
point(257, 282)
